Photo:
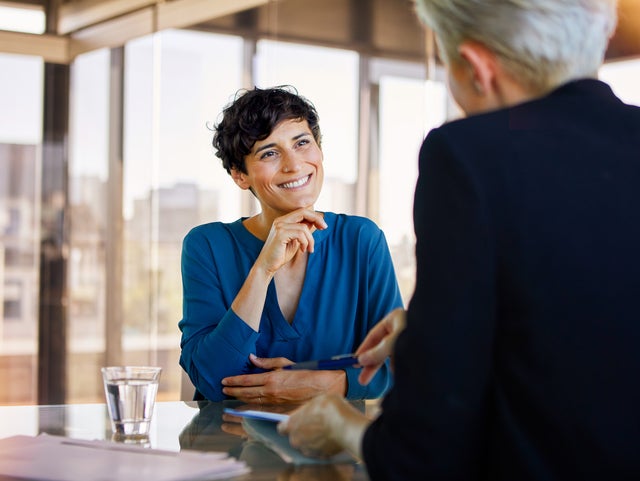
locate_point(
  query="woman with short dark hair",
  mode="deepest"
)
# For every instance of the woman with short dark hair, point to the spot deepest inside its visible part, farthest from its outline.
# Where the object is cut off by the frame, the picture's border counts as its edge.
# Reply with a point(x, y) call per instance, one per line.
point(288, 284)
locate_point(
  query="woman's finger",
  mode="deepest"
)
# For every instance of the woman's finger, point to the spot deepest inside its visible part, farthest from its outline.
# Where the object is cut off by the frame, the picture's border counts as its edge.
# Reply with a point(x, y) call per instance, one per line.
point(269, 362)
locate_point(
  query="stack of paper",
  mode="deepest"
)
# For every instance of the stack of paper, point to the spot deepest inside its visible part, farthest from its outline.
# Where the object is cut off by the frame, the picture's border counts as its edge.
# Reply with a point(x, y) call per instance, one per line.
point(56, 458)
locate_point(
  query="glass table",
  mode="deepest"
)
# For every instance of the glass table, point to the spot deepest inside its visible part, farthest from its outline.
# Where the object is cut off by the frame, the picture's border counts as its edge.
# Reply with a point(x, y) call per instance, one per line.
point(200, 426)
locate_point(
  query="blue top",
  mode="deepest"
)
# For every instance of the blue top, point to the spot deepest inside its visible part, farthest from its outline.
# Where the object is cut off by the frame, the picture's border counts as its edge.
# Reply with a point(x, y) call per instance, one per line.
point(350, 285)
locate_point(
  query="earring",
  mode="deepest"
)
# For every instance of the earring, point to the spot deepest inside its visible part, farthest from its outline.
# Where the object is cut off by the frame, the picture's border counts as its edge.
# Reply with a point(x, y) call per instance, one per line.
point(478, 87)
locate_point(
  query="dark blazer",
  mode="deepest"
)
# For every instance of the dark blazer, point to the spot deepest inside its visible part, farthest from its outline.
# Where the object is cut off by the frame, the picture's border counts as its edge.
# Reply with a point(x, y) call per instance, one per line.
point(521, 358)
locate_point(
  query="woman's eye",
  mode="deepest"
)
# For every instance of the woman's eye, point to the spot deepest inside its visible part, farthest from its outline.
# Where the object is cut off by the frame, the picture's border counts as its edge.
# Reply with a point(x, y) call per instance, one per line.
point(268, 153)
point(303, 142)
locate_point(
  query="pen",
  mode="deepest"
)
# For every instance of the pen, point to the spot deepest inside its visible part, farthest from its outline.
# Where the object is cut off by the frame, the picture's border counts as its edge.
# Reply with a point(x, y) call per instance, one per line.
point(335, 362)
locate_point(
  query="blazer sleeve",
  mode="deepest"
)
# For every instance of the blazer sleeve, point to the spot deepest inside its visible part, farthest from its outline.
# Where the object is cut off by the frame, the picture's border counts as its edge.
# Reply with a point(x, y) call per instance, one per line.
point(432, 424)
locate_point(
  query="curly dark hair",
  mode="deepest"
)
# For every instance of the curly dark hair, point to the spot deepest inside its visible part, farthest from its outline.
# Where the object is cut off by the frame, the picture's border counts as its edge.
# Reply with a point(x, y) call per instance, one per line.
point(252, 115)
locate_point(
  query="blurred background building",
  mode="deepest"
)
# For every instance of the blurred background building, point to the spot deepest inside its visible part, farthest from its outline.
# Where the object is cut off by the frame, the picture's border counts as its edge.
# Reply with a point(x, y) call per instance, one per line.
point(106, 109)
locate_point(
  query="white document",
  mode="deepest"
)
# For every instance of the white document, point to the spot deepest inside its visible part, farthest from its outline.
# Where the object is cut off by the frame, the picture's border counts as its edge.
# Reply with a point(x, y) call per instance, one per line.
point(57, 458)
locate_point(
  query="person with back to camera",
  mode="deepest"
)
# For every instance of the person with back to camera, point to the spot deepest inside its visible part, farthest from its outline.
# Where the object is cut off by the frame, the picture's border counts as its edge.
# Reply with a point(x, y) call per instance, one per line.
point(519, 359)
point(288, 284)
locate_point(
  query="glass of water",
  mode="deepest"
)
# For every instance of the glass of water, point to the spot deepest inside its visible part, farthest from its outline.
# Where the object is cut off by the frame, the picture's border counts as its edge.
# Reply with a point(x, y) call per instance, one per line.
point(131, 395)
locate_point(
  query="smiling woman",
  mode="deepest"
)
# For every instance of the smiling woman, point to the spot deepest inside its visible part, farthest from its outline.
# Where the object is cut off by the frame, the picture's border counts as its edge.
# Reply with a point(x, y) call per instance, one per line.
point(288, 284)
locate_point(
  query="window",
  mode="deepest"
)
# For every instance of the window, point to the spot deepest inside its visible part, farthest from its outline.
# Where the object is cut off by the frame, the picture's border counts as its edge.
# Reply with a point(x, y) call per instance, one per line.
point(173, 91)
point(624, 79)
point(176, 83)
point(409, 107)
point(20, 144)
point(88, 176)
point(27, 19)
point(13, 294)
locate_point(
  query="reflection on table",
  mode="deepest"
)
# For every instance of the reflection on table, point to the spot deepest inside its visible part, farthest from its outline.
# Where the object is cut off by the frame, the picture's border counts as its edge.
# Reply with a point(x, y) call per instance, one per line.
point(176, 426)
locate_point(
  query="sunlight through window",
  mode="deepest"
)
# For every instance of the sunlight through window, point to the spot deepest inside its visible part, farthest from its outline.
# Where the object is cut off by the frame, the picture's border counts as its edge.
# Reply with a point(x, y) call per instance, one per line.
point(26, 20)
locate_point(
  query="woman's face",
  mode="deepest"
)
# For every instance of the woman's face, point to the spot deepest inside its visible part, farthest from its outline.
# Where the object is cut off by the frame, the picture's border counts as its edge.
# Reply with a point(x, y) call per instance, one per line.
point(285, 170)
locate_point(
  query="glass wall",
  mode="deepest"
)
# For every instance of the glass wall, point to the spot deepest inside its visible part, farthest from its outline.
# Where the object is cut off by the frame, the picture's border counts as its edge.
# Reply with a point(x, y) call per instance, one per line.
point(176, 83)
point(20, 150)
point(19, 19)
point(88, 225)
point(408, 109)
point(624, 78)
point(171, 181)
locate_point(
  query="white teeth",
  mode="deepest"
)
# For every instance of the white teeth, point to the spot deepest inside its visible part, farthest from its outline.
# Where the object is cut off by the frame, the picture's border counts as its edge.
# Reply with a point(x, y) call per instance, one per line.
point(295, 183)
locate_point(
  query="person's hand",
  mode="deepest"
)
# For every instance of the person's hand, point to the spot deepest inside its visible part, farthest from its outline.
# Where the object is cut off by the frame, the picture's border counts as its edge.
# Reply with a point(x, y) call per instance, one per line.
point(269, 363)
point(325, 426)
point(289, 234)
point(283, 386)
point(379, 343)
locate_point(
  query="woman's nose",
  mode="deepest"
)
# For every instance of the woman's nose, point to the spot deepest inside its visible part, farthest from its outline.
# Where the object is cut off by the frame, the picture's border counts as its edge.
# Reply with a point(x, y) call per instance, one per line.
point(290, 163)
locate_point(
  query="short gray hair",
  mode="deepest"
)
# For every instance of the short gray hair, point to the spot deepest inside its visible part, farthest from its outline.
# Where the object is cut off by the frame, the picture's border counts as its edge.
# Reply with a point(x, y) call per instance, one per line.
point(542, 43)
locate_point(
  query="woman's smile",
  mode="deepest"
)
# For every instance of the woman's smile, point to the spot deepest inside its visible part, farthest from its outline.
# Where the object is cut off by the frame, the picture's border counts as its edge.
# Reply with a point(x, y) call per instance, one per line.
point(294, 184)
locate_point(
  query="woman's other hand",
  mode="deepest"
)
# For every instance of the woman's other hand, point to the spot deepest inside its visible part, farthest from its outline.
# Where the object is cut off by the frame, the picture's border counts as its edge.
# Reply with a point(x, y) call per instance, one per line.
point(379, 343)
point(269, 363)
point(283, 385)
point(325, 426)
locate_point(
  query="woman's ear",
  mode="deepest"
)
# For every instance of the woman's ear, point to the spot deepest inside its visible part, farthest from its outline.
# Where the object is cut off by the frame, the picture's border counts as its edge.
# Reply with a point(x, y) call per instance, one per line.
point(240, 178)
point(482, 64)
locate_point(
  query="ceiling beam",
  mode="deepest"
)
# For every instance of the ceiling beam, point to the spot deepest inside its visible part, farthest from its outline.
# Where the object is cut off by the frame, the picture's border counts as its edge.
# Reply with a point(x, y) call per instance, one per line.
point(51, 48)
point(186, 13)
point(115, 30)
point(73, 16)
point(113, 33)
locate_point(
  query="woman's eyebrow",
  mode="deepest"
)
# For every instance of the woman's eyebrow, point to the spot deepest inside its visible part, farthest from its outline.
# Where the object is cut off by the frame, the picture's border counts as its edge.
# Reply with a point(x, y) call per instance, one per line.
point(296, 137)
point(264, 147)
point(273, 144)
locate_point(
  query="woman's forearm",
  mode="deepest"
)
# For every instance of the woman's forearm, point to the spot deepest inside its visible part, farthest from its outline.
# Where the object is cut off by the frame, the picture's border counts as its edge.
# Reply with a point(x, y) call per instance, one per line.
point(249, 303)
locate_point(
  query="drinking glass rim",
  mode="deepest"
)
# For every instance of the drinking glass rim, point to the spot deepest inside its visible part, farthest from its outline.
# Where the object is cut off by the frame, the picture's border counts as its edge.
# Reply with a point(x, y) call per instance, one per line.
point(131, 368)
point(152, 373)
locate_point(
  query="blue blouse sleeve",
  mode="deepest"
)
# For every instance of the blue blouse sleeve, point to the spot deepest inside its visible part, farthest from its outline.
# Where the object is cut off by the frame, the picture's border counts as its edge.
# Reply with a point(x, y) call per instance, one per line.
point(380, 296)
point(207, 325)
